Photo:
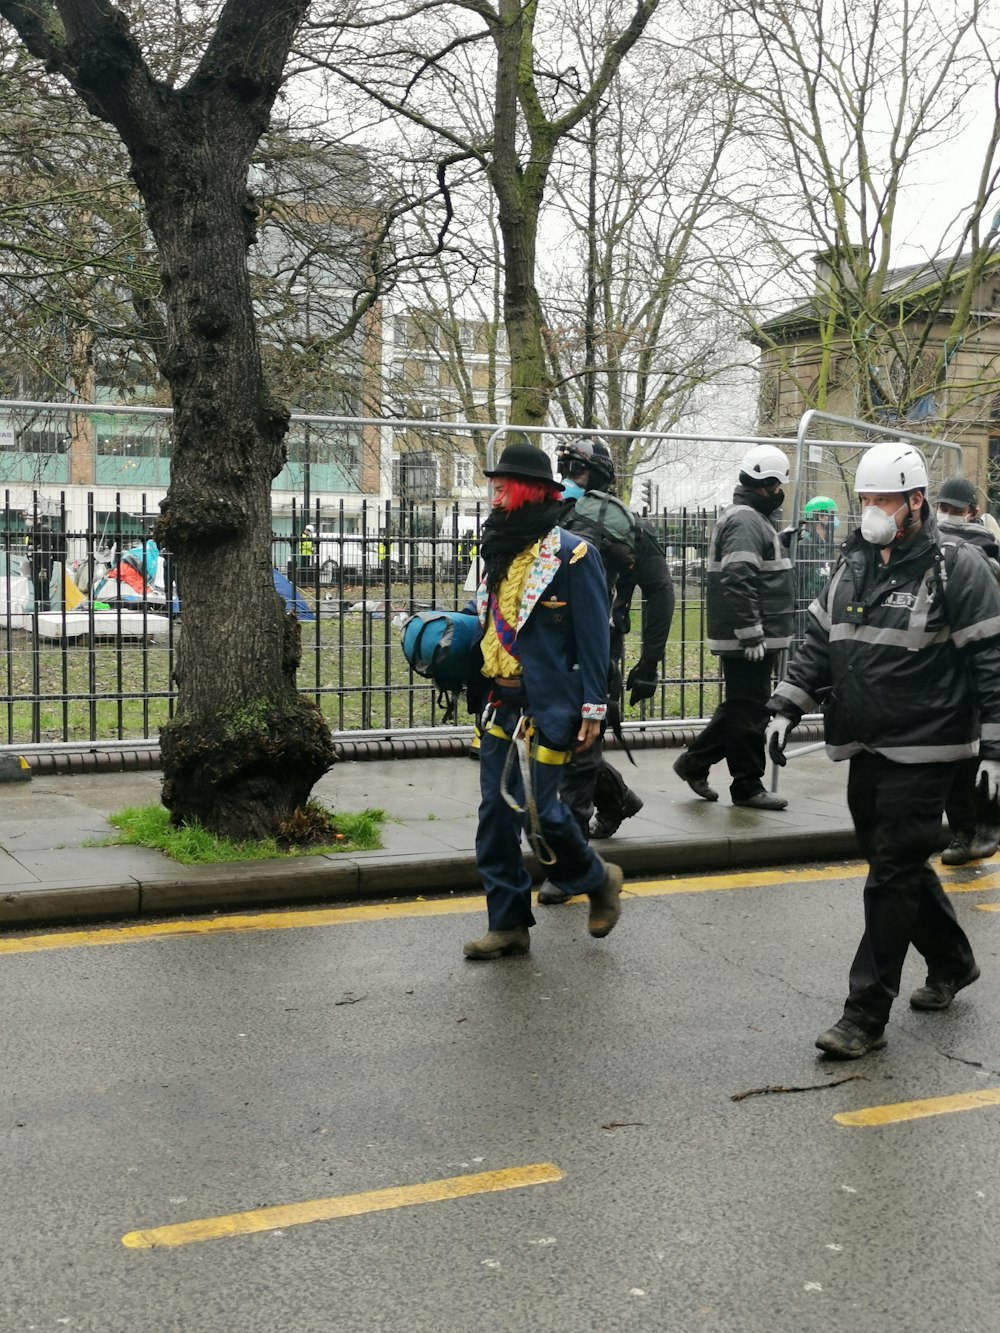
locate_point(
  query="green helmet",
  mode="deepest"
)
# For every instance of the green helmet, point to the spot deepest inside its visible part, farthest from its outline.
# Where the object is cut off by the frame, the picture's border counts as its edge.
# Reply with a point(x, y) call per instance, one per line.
point(820, 504)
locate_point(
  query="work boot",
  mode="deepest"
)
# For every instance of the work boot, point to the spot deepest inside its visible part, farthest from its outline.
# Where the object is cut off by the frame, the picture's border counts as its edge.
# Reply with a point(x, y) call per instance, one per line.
point(847, 1041)
point(698, 782)
point(496, 943)
point(606, 823)
point(984, 844)
point(959, 850)
point(550, 896)
point(938, 992)
point(763, 800)
point(605, 903)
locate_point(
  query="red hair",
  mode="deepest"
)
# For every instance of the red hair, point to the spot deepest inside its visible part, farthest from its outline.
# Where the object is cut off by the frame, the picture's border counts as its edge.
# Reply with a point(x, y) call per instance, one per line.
point(518, 493)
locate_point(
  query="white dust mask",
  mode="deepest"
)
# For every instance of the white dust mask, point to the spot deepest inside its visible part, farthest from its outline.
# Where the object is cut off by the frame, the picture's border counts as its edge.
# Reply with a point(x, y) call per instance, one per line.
point(878, 527)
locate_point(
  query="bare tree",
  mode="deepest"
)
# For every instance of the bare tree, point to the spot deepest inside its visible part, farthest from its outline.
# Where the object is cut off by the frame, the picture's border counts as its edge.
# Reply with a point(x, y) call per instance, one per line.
point(633, 303)
point(245, 748)
point(847, 102)
point(429, 64)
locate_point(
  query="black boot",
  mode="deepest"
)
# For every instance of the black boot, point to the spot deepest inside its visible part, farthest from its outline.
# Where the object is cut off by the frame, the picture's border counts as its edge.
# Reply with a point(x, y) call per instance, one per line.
point(959, 850)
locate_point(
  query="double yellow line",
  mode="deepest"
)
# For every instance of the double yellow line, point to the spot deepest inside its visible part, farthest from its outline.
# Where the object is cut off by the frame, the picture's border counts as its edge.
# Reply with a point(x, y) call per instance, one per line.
point(300, 919)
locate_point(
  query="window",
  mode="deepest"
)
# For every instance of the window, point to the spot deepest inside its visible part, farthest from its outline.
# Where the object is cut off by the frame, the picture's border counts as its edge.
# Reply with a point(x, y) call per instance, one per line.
point(430, 373)
point(463, 473)
point(418, 479)
point(466, 337)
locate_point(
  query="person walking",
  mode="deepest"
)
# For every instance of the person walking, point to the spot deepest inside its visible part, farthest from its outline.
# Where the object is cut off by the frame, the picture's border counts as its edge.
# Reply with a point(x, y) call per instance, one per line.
point(904, 643)
point(973, 823)
point(538, 682)
point(751, 605)
point(632, 557)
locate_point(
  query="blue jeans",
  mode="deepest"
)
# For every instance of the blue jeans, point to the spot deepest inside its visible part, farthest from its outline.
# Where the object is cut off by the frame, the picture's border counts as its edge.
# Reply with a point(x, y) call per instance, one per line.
point(577, 868)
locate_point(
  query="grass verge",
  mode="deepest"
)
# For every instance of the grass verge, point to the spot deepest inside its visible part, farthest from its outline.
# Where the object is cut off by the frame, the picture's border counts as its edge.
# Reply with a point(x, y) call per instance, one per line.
point(149, 826)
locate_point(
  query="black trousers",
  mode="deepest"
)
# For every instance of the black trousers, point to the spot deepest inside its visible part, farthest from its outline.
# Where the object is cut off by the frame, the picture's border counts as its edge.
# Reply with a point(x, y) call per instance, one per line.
point(589, 782)
point(896, 809)
point(735, 732)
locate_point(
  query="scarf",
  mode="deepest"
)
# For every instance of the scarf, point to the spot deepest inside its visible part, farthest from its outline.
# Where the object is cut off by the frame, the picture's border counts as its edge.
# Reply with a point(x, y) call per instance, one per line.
point(506, 534)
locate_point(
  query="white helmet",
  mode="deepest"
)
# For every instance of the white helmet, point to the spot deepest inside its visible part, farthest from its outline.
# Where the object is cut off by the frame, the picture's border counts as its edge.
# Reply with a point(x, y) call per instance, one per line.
point(890, 467)
point(765, 462)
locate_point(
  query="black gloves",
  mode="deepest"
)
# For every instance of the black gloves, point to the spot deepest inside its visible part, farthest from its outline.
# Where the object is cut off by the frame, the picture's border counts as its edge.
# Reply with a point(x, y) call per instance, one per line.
point(642, 681)
point(786, 534)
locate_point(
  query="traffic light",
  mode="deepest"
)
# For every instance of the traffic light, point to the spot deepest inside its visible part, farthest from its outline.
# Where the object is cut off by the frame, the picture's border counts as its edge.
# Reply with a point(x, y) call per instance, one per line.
point(647, 496)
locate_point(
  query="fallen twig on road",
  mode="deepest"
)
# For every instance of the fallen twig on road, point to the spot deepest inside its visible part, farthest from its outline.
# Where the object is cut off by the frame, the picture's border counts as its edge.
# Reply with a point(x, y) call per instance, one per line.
point(808, 1087)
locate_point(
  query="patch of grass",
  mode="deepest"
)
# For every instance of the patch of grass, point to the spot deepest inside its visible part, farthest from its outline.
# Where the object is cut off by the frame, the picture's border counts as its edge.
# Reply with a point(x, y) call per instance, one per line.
point(149, 826)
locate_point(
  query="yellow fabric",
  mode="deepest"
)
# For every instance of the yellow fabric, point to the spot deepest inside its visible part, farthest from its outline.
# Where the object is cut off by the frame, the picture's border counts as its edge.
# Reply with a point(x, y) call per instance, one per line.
point(541, 754)
point(71, 593)
point(496, 660)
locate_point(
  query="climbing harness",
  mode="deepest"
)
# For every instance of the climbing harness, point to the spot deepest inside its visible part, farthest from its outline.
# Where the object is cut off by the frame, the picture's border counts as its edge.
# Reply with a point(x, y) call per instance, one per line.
point(524, 749)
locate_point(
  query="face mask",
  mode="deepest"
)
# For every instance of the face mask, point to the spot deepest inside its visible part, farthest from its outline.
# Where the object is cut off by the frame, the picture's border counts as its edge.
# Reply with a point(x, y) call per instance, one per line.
point(571, 491)
point(772, 501)
point(878, 527)
point(944, 517)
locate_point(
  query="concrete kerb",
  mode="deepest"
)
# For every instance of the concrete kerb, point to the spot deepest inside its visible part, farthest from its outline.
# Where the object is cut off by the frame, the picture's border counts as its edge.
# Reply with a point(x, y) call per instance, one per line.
point(373, 877)
point(141, 891)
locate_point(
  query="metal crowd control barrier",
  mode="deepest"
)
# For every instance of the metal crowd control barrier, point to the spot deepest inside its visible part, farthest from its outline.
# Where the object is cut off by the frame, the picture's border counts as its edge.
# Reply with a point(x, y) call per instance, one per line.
point(403, 555)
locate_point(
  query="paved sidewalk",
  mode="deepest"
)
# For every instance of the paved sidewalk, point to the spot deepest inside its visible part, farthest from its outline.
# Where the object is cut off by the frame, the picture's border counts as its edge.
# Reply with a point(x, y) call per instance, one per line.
point(49, 875)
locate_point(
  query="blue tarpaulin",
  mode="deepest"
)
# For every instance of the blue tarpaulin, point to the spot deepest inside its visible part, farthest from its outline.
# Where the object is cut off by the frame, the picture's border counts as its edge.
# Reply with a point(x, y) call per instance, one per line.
point(293, 600)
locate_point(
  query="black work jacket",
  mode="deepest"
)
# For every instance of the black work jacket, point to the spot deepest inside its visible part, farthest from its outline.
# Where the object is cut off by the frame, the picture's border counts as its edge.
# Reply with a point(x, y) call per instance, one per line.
point(750, 591)
point(907, 654)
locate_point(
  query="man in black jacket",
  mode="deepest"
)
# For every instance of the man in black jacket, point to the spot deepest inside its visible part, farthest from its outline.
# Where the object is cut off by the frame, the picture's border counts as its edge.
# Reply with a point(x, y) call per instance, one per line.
point(632, 558)
point(904, 643)
point(751, 608)
point(974, 823)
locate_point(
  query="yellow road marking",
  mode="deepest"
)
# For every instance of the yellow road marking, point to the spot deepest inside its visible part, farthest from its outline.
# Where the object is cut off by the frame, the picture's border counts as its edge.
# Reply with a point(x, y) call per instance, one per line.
point(895, 1112)
point(460, 906)
point(343, 1205)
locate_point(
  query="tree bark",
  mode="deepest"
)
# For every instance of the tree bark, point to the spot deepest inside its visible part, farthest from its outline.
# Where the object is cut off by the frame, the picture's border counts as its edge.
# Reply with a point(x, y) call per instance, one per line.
point(244, 748)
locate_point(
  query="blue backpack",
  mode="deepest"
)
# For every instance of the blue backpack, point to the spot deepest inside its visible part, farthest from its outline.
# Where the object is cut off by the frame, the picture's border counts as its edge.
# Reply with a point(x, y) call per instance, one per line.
point(438, 645)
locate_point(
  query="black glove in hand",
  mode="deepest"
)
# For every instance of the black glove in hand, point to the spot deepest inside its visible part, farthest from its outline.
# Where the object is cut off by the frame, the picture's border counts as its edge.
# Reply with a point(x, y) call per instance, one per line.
point(642, 681)
point(786, 534)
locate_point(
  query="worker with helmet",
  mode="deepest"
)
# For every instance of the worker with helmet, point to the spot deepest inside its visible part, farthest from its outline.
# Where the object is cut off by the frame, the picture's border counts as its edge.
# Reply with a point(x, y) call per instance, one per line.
point(904, 645)
point(814, 549)
point(974, 823)
point(750, 606)
point(632, 557)
point(307, 548)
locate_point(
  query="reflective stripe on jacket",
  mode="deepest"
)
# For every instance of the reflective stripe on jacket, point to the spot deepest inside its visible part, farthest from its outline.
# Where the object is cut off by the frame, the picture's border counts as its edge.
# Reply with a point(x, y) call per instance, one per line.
point(909, 652)
point(750, 593)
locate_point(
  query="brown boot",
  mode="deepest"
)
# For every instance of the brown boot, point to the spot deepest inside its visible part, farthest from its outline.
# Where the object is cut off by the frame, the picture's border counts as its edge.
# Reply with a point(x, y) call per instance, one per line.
point(496, 943)
point(605, 903)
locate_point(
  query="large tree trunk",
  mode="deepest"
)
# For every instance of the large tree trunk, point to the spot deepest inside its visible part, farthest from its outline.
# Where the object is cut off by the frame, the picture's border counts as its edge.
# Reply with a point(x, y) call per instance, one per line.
point(244, 749)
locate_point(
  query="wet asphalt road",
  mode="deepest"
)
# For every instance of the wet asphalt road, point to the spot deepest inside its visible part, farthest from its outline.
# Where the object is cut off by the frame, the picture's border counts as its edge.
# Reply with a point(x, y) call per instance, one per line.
point(156, 1081)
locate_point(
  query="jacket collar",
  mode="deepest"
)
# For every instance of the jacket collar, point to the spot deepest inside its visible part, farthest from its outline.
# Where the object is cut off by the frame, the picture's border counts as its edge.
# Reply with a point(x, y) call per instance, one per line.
point(543, 570)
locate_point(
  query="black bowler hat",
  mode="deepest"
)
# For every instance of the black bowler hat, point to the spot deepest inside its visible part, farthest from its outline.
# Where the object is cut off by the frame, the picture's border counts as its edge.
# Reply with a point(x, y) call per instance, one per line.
point(524, 461)
point(957, 491)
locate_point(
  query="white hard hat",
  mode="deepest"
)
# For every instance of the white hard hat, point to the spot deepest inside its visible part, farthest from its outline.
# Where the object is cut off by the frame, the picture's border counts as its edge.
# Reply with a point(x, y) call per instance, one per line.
point(310, 529)
point(765, 462)
point(890, 467)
